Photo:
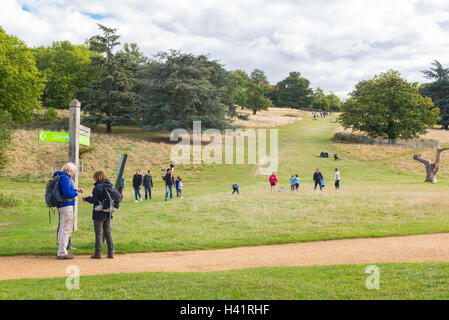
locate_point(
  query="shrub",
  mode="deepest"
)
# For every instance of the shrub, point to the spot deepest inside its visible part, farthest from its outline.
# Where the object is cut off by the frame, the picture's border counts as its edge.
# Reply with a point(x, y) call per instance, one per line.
point(7, 201)
point(51, 114)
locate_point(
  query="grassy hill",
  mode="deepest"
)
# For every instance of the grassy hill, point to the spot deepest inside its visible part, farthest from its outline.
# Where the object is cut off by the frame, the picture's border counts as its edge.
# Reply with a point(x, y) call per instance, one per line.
point(379, 197)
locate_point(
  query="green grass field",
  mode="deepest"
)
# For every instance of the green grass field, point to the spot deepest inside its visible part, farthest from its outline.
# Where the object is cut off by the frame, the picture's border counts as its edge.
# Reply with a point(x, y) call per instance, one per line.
point(375, 200)
point(397, 281)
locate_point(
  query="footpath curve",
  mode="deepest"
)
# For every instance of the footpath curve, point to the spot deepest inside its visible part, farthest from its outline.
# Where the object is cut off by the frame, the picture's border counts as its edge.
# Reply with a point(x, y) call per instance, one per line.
point(418, 248)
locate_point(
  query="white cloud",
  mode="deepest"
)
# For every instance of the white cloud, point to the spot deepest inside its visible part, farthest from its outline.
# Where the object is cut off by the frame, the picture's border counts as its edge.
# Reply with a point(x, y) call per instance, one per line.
point(333, 43)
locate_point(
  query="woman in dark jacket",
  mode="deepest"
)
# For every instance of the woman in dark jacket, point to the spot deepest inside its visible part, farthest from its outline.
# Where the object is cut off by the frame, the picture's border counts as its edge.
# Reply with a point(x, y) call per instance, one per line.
point(102, 220)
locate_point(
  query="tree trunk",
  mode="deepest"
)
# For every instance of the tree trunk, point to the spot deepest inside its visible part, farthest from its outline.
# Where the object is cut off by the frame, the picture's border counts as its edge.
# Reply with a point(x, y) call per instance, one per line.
point(431, 168)
point(254, 111)
point(108, 128)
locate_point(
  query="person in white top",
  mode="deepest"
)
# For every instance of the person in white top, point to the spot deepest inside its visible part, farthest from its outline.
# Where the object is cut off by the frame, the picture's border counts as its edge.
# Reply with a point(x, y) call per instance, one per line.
point(337, 179)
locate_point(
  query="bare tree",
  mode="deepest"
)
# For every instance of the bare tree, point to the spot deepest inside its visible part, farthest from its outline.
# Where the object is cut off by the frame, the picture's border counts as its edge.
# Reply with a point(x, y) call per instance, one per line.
point(431, 168)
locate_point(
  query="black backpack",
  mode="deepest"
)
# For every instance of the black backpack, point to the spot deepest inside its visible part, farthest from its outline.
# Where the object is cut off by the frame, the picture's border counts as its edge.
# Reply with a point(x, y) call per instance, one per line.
point(53, 197)
point(110, 200)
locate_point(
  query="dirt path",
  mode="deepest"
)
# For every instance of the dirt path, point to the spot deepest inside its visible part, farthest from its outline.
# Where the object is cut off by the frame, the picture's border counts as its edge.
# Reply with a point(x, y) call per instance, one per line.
point(421, 248)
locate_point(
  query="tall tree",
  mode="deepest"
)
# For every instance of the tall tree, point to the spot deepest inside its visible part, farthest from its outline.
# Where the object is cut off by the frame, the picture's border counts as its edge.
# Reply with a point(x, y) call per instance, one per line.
point(67, 69)
point(21, 84)
point(110, 100)
point(249, 91)
point(438, 90)
point(178, 89)
point(295, 92)
point(389, 106)
point(335, 102)
point(320, 100)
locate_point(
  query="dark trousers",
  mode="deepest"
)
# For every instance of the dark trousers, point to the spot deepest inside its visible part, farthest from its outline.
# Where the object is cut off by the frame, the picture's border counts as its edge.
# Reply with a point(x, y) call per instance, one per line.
point(318, 183)
point(236, 190)
point(103, 231)
point(337, 184)
point(147, 192)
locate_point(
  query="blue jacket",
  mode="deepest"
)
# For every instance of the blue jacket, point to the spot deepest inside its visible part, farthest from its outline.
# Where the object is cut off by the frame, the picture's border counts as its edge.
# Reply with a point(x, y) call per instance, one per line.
point(66, 188)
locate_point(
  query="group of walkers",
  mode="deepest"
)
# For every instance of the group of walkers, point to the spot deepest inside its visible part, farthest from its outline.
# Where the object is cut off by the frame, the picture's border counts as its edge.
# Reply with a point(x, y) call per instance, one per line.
point(101, 219)
point(318, 180)
point(146, 181)
point(322, 114)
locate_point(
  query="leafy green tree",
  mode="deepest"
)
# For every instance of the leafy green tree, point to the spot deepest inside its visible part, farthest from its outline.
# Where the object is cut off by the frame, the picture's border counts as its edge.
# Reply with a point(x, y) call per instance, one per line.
point(320, 100)
point(438, 90)
point(335, 102)
point(180, 88)
point(389, 106)
point(5, 136)
point(295, 92)
point(249, 91)
point(21, 84)
point(258, 76)
point(132, 51)
point(110, 100)
point(67, 69)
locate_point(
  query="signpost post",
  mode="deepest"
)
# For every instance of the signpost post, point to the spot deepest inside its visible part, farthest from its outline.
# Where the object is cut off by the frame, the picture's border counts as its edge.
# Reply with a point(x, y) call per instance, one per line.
point(120, 170)
point(77, 135)
point(74, 149)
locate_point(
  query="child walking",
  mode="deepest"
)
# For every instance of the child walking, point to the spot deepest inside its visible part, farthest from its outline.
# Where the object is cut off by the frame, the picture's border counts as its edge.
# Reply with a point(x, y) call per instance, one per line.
point(179, 188)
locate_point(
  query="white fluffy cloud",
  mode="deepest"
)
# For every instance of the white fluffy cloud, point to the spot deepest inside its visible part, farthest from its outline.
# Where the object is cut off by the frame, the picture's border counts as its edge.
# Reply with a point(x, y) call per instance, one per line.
point(334, 43)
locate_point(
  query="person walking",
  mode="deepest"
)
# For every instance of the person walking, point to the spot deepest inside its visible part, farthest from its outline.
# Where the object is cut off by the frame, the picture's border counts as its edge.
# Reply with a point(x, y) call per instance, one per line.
point(179, 188)
point(292, 183)
point(318, 179)
point(273, 181)
point(296, 183)
point(148, 184)
point(66, 210)
point(101, 219)
point(169, 182)
point(137, 185)
point(337, 179)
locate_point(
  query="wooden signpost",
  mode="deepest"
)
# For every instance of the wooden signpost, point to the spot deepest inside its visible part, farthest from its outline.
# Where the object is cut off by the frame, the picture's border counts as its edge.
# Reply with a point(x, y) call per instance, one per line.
point(74, 149)
point(77, 135)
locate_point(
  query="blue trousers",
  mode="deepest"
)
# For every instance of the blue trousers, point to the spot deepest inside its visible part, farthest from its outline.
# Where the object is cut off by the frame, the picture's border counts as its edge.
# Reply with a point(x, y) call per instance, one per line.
point(137, 193)
point(168, 187)
point(147, 192)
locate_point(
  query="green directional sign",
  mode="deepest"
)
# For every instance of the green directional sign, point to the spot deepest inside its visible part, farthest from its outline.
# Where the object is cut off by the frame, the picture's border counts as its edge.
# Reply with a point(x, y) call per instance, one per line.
point(48, 136)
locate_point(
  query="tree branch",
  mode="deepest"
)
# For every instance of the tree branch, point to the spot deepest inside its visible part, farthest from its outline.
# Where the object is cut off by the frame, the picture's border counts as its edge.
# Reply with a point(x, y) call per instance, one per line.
point(418, 157)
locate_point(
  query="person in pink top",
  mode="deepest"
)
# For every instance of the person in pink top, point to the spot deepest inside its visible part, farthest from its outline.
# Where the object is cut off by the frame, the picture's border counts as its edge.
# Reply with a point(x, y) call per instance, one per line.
point(273, 181)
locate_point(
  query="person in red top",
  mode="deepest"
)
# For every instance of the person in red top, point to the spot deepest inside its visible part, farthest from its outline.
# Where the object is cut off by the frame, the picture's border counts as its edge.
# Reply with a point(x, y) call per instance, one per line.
point(273, 181)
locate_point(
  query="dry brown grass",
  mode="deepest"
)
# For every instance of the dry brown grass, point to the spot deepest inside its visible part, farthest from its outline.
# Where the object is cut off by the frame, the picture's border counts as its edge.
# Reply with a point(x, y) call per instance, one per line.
point(273, 117)
point(368, 152)
point(442, 136)
point(28, 156)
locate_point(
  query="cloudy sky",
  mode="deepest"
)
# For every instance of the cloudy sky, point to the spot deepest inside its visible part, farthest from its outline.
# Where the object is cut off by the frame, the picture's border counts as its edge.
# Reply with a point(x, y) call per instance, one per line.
point(334, 43)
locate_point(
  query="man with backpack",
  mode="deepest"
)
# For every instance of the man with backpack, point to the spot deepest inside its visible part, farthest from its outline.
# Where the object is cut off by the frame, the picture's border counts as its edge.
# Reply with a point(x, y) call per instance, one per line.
point(105, 200)
point(61, 193)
